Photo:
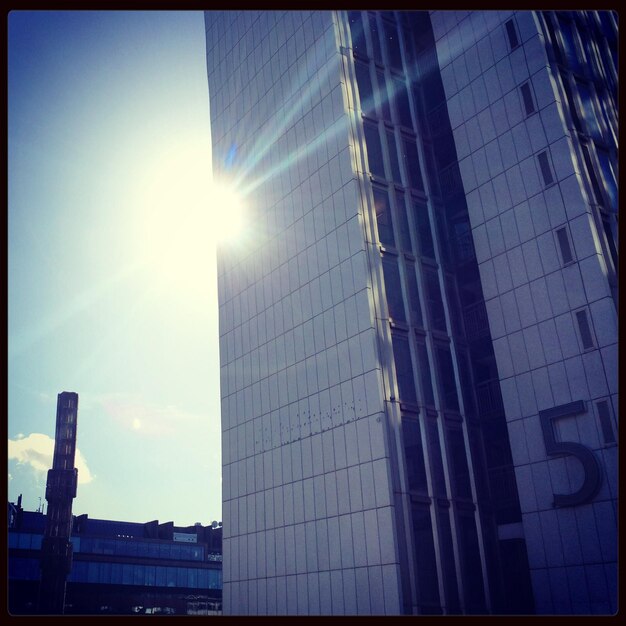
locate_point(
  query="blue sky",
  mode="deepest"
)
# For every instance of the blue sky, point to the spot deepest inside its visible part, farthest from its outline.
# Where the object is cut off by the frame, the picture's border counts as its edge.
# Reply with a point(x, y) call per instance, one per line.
point(108, 151)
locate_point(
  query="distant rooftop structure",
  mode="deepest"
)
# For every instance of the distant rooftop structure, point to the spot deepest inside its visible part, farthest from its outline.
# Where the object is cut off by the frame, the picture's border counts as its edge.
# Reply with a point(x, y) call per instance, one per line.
point(121, 567)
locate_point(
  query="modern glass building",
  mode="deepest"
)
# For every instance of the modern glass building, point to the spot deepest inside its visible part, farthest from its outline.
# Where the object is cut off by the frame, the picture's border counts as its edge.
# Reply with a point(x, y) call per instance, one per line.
point(418, 336)
point(119, 567)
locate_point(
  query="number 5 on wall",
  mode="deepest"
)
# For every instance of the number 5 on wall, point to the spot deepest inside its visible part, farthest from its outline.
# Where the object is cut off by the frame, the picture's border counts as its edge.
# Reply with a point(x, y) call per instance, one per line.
point(590, 464)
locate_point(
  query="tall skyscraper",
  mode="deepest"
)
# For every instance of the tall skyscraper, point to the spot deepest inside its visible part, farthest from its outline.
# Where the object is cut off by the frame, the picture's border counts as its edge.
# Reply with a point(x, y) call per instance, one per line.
point(56, 548)
point(418, 337)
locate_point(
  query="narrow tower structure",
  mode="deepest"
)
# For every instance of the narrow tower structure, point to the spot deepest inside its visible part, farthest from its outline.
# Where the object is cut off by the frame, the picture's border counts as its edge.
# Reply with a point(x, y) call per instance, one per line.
point(56, 549)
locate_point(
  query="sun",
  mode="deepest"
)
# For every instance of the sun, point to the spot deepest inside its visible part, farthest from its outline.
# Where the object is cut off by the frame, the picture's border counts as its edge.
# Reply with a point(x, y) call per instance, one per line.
point(182, 214)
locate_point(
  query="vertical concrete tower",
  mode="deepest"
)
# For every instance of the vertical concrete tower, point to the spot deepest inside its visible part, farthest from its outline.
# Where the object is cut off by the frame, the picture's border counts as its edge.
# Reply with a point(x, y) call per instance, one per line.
point(56, 549)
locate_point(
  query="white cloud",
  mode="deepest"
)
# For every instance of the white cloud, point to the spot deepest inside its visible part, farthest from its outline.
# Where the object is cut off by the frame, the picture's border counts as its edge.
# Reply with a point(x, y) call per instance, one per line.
point(37, 450)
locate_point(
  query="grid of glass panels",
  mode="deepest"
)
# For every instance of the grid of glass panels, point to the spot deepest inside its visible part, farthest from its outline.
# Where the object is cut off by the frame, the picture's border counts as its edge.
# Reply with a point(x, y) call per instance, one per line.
point(144, 575)
point(584, 45)
point(433, 240)
point(144, 549)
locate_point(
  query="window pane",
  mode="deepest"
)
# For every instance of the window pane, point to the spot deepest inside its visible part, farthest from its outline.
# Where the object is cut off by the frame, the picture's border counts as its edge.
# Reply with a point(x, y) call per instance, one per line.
point(366, 93)
point(404, 368)
point(403, 223)
point(609, 177)
point(161, 578)
point(435, 304)
point(393, 157)
point(383, 97)
point(356, 31)
point(527, 97)
point(585, 330)
point(374, 150)
point(447, 560)
point(412, 164)
point(512, 34)
point(470, 559)
point(424, 367)
point(425, 555)
point(164, 551)
point(401, 101)
point(458, 458)
point(170, 576)
point(569, 42)
point(92, 572)
point(393, 46)
point(414, 454)
point(393, 289)
point(566, 250)
point(589, 111)
point(105, 573)
point(127, 574)
point(150, 575)
point(414, 300)
point(378, 57)
point(424, 234)
point(139, 572)
point(383, 217)
point(546, 171)
point(605, 421)
point(446, 378)
point(116, 573)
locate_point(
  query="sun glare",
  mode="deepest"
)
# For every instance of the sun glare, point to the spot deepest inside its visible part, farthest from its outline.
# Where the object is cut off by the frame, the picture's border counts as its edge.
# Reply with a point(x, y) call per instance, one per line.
point(182, 214)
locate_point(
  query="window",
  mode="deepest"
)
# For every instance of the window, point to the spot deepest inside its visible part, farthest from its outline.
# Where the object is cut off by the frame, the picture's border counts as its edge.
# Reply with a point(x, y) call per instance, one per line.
point(460, 470)
point(605, 421)
point(403, 223)
point(374, 150)
point(470, 563)
point(383, 217)
point(414, 299)
point(434, 303)
point(424, 234)
point(424, 370)
point(401, 102)
point(414, 455)
point(427, 579)
point(608, 175)
point(446, 378)
point(393, 157)
point(568, 30)
point(566, 250)
point(393, 288)
point(527, 97)
point(356, 31)
point(364, 82)
point(393, 46)
point(404, 368)
point(511, 32)
point(463, 242)
point(589, 111)
point(592, 174)
point(383, 98)
point(546, 171)
point(584, 328)
point(378, 56)
point(434, 448)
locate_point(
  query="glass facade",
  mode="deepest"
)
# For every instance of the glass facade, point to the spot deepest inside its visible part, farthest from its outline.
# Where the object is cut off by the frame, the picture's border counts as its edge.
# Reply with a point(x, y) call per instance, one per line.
point(446, 256)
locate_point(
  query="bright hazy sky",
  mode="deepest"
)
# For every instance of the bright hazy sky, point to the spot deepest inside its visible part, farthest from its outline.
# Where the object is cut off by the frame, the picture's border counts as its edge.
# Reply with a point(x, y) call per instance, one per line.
point(108, 149)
